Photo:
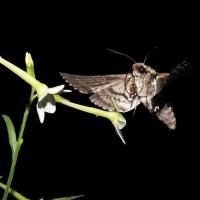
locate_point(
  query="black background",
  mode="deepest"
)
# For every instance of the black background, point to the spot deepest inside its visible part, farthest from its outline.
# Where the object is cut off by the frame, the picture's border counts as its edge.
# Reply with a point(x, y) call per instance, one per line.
point(77, 153)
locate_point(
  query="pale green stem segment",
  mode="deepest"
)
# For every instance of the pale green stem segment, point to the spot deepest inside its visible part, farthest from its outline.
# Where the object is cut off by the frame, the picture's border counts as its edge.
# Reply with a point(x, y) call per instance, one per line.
point(19, 143)
point(112, 116)
point(21, 73)
point(30, 69)
point(14, 193)
point(12, 169)
point(35, 84)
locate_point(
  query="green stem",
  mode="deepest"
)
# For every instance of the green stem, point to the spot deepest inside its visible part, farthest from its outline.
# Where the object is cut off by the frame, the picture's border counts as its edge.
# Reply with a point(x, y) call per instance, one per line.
point(19, 143)
point(21, 73)
point(24, 120)
point(12, 169)
point(14, 193)
point(112, 116)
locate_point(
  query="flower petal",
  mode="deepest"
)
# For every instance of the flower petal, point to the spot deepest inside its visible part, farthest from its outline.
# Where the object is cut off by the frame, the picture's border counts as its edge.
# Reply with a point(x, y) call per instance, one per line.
point(40, 111)
point(66, 91)
point(49, 104)
point(119, 134)
point(55, 90)
point(121, 122)
point(42, 96)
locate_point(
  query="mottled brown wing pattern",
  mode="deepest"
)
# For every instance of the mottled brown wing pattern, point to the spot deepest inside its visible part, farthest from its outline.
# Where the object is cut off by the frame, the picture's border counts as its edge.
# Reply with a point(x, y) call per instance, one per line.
point(105, 90)
point(91, 84)
point(109, 98)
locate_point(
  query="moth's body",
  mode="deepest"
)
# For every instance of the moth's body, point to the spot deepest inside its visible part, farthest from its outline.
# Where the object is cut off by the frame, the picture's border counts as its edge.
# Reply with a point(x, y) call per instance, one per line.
point(124, 92)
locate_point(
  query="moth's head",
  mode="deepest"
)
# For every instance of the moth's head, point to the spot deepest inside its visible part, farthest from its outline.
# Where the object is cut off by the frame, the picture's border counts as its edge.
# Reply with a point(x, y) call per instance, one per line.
point(148, 80)
point(141, 70)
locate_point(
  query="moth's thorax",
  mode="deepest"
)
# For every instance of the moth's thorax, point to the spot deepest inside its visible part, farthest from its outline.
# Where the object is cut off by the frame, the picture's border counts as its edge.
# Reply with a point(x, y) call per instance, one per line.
point(145, 80)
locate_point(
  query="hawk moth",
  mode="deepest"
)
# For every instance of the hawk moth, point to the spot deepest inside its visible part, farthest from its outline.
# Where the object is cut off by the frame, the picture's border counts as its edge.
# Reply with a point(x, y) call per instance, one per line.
point(124, 92)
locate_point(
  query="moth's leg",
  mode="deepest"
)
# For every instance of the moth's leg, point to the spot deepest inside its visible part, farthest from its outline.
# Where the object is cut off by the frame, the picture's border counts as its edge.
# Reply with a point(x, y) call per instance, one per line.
point(136, 102)
point(114, 104)
point(158, 102)
point(149, 104)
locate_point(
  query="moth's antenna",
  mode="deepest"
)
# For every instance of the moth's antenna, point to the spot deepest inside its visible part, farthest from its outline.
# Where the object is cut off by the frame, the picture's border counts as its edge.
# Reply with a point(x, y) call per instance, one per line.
point(122, 54)
point(150, 52)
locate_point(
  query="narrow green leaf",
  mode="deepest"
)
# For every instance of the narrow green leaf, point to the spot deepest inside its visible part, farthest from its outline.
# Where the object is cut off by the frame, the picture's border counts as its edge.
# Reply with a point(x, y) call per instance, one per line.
point(11, 133)
point(69, 198)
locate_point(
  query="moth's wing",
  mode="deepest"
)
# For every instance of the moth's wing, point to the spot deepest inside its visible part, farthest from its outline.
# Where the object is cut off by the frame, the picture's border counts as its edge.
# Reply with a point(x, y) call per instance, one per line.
point(162, 110)
point(167, 116)
point(108, 91)
point(92, 84)
point(115, 98)
point(182, 69)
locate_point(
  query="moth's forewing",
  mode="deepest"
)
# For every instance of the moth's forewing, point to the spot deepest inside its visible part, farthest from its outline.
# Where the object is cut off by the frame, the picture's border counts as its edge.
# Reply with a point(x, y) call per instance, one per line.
point(105, 90)
point(92, 84)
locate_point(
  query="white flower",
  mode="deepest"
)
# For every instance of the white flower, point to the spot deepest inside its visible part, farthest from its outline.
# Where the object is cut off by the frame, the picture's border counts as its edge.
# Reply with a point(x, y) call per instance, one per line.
point(46, 102)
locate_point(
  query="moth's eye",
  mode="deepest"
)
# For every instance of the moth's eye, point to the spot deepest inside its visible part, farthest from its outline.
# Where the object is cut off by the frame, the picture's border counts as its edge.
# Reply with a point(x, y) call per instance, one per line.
point(141, 69)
